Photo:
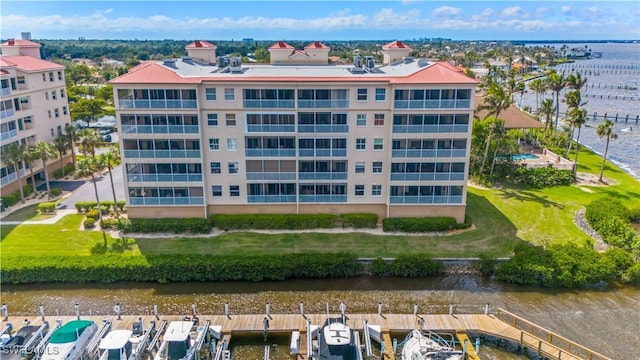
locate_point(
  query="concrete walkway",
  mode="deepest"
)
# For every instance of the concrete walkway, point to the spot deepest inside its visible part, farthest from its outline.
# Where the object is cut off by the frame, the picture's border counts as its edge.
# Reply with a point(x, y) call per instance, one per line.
point(52, 220)
point(33, 201)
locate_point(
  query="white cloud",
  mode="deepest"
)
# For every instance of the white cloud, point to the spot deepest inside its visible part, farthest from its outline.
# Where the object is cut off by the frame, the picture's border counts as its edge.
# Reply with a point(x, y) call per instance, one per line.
point(108, 11)
point(511, 11)
point(447, 11)
point(387, 17)
point(483, 15)
point(540, 12)
point(407, 2)
point(565, 9)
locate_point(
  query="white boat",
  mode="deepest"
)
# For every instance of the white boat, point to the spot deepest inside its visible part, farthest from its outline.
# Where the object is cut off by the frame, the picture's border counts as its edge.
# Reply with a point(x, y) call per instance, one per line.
point(69, 341)
point(178, 339)
point(418, 346)
point(337, 341)
point(119, 345)
point(627, 129)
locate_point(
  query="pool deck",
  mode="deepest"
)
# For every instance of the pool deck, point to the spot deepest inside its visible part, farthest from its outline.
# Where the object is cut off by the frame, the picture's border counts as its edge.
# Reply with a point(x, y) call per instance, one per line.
point(545, 158)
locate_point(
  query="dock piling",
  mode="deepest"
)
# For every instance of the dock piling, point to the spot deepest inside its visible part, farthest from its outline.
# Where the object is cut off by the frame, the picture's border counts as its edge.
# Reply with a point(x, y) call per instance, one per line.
point(5, 312)
point(226, 309)
point(380, 309)
point(415, 309)
point(77, 306)
point(42, 311)
point(266, 309)
point(486, 309)
point(302, 309)
point(116, 309)
point(450, 309)
point(155, 311)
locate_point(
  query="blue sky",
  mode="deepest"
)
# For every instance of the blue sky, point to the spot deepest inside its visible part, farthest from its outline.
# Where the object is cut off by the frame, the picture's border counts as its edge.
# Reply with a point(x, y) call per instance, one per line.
point(322, 20)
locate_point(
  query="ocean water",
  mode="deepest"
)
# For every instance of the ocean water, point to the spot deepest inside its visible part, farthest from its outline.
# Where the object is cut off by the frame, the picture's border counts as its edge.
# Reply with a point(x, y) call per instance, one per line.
point(605, 93)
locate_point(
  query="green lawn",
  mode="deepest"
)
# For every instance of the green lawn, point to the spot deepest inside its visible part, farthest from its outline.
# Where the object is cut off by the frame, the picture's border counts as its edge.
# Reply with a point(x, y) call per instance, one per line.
point(27, 213)
point(60, 239)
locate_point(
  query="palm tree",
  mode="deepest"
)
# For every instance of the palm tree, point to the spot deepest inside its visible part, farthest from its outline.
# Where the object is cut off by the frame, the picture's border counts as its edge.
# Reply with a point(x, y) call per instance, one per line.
point(577, 119)
point(605, 130)
point(110, 160)
point(547, 108)
point(87, 166)
point(31, 155)
point(556, 82)
point(573, 101)
point(540, 87)
point(88, 139)
point(61, 144)
point(45, 152)
point(575, 81)
point(499, 131)
point(495, 101)
point(70, 133)
point(13, 154)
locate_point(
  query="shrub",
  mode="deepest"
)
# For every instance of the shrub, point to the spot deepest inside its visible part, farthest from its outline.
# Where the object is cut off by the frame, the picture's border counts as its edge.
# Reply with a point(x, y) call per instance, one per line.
point(92, 214)
point(107, 203)
point(47, 207)
point(89, 223)
point(14, 197)
point(634, 215)
point(104, 209)
point(415, 266)
point(487, 264)
point(359, 221)
point(68, 170)
point(121, 204)
point(541, 177)
point(419, 224)
point(379, 267)
point(55, 191)
point(84, 206)
point(611, 220)
point(175, 225)
point(108, 223)
point(274, 221)
point(633, 273)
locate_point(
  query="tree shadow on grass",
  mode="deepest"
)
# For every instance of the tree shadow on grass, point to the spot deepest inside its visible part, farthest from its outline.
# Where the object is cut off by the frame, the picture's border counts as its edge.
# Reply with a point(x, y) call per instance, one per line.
point(118, 246)
point(99, 249)
point(524, 195)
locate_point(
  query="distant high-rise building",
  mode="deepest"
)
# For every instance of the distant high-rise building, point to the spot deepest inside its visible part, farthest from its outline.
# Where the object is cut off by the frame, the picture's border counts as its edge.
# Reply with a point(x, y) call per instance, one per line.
point(207, 134)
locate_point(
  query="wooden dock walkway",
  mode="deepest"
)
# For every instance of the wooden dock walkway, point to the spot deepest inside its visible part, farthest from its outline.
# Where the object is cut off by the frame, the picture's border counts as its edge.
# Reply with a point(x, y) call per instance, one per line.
point(502, 325)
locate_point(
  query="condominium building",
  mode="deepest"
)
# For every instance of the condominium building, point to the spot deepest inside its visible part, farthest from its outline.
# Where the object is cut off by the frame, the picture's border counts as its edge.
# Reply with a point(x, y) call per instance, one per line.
point(33, 105)
point(208, 134)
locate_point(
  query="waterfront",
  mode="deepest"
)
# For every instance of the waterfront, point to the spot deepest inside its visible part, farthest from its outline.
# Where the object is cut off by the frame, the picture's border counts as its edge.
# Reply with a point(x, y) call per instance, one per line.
point(605, 320)
point(624, 151)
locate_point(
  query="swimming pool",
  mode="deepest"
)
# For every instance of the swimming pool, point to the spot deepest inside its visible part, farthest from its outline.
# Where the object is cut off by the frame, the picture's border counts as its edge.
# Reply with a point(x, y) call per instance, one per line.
point(521, 156)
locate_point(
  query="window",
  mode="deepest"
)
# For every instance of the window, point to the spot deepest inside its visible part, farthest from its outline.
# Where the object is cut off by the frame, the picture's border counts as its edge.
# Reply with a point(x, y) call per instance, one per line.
point(44, 77)
point(378, 120)
point(377, 167)
point(376, 190)
point(215, 167)
point(216, 190)
point(214, 144)
point(51, 76)
point(229, 94)
point(53, 95)
point(234, 190)
point(46, 95)
point(62, 93)
point(59, 130)
point(57, 112)
point(49, 113)
point(361, 144)
point(233, 168)
point(232, 144)
point(230, 119)
point(60, 75)
point(381, 94)
point(64, 110)
point(378, 144)
point(360, 167)
point(52, 132)
point(210, 93)
point(361, 119)
point(359, 190)
point(362, 94)
point(212, 119)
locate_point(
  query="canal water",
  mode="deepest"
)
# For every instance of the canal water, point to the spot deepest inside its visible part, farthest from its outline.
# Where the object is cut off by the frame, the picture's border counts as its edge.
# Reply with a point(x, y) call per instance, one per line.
point(606, 320)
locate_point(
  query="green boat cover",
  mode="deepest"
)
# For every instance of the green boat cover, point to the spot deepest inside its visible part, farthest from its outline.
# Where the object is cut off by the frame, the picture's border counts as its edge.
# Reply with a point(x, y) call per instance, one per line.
point(69, 332)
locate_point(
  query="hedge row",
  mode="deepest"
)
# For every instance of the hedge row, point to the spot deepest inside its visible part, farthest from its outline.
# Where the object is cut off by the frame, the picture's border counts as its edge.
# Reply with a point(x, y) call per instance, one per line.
point(165, 268)
point(611, 220)
point(420, 224)
point(84, 206)
point(47, 207)
point(14, 197)
point(542, 177)
point(407, 266)
point(178, 225)
point(292, 221)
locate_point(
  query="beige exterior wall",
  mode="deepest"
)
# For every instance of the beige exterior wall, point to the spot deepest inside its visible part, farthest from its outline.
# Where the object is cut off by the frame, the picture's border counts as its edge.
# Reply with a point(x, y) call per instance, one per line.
point(207, 55)
point(164, 212)
point(456, 211)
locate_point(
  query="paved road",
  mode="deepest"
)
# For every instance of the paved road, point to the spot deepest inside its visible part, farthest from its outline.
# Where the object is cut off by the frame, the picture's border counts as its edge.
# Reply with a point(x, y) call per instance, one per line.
point(83, 191)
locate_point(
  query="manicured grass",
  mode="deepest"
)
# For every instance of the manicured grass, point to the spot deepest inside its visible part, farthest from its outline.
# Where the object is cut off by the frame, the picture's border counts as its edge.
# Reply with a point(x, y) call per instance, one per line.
point(27, 213)
point(494, 234)
point(60, 239)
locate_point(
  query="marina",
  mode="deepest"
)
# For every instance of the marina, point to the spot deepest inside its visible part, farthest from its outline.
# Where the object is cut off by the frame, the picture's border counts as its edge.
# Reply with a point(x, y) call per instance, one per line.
point(200, 336)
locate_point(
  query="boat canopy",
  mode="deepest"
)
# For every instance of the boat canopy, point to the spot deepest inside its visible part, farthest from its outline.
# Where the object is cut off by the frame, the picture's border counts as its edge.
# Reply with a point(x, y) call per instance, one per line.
point(115, 339)
point(70, 331)
point(178, 331)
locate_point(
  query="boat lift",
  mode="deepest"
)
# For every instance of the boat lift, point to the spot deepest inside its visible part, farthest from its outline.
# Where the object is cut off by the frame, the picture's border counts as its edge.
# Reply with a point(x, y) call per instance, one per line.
point(156, 337)
point(137, 354)
point(43, 343)
point(26, 350)
point(267, 349)
point(92, 349)
point(6, 329)
point(371, 332)
point(194, 350)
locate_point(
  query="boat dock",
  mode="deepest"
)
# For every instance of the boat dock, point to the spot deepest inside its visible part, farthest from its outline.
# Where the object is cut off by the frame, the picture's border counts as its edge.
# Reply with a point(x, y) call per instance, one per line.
point(501, 325)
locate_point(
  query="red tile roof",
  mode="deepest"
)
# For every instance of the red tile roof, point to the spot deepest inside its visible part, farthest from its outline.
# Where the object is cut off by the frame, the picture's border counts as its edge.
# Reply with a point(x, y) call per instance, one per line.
point(452, 67)
point(22, 43)
point(281, 45)
point(201, 44)
point(5, 63)
point(151, 72)
point(437, 73)
point(4, 72)
point(396, 45)
point(316, 45)
point(28, 63)
point(299, 52)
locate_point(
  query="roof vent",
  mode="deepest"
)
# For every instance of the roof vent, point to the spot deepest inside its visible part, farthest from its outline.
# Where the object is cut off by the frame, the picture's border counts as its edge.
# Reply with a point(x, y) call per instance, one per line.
point(169, 62)
point(11, 42)
point(423, 62)
point(369, 64)
point(357, 70)
point(358, 62)
point(407, 59)
point(223, 61)
point(187, 59)
point(197, 43)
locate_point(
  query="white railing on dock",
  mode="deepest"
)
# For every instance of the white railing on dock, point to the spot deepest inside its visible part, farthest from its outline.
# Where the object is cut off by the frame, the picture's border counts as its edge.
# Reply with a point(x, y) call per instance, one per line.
point(37, 336)
point(156, 337)
point(367, 339)
point(43, 343)
point(197, 345)
point(136, 355)
point(92, 348)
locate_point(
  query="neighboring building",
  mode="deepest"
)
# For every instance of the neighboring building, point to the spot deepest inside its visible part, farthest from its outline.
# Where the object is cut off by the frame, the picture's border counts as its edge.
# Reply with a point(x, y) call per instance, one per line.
point(33, 105)
point(207, 134)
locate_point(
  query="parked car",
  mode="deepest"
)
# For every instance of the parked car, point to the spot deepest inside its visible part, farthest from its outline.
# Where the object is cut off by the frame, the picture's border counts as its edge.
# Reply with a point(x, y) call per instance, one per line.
point(106, 138)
